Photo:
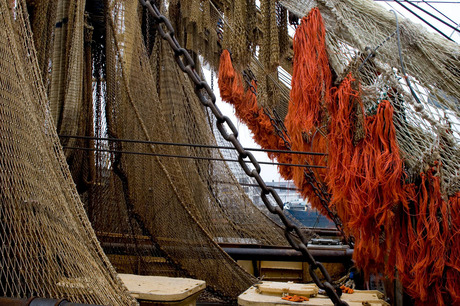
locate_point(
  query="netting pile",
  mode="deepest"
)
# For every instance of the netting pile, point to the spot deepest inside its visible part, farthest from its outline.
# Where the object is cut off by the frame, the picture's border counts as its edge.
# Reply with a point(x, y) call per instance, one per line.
point(183, 205)
point(416, 229)
point(427, 129)
point(48, 247)
point(113, 79)
point(392, 164)
point(108, 75)
point(392, 158)
point(257, 37)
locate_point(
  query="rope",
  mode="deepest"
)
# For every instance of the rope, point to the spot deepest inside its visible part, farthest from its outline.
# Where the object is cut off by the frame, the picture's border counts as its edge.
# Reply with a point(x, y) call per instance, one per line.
point(403, 69)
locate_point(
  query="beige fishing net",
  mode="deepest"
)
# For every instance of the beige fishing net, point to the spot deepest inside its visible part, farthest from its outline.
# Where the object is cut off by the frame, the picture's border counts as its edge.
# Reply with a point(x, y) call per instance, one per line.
point(48, 247)
point(99, 75)
point(157, 209)
point(428, 124)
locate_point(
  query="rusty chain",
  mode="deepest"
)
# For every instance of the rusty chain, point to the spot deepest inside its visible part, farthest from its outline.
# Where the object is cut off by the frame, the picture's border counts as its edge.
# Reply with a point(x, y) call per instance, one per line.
point(281, 123)
point(280, 131)
point(248, 77)
point(318, 188)
point(208, 99)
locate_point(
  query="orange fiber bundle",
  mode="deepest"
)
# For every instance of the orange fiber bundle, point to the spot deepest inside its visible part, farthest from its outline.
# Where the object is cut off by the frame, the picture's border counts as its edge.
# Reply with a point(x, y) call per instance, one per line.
point(311, 77)
point(424, 262)
point(246, 109)
point(364, 180)
point(341, 146)
point(452, 275)
point(407, 227)
point(311, 82)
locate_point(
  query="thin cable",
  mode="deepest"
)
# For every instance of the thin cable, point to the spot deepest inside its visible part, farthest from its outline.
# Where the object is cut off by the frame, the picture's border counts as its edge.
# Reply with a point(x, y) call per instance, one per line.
point(429, 24)
point(443, 2)
point(435, 17)
point(458, 25)
point(189, 145)
point(403, 69)
point(434, 8)
point(268, 184)
point(188, 157)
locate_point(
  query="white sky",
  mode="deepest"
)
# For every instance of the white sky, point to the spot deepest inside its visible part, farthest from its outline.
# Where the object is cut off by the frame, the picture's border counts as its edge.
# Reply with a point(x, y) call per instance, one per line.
point(446, 11)
point(450, 10)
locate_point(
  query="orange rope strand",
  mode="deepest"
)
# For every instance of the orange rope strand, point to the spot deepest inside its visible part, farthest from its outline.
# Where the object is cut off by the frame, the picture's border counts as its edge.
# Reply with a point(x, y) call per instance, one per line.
point(396, 225)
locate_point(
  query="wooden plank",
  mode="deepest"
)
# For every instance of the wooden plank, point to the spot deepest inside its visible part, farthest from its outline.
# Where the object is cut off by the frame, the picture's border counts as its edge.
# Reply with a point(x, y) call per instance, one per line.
point(161, 288)
point(287, 288)
point(359, 298)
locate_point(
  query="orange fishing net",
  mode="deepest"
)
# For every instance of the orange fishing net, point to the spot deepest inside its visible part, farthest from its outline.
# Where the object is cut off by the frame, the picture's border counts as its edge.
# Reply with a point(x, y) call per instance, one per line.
point(410, 228)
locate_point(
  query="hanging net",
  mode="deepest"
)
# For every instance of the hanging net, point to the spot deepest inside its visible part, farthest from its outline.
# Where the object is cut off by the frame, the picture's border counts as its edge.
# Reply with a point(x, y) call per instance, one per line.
point(156, 209)
point(380, 96)
point(48, 247)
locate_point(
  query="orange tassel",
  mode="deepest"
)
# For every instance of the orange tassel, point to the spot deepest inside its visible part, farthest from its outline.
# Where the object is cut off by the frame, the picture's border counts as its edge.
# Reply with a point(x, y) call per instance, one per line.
point(246, 109)
point(395, 225)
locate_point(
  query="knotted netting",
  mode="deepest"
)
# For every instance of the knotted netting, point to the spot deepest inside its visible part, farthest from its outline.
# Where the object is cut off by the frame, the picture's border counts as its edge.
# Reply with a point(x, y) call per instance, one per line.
point(380, 96)
point(48, 247)
point(427, 123)
point(157, 209)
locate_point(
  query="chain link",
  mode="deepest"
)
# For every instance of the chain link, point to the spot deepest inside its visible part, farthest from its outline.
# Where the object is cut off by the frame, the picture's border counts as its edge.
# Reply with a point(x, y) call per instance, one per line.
point(280, 130)
point(187, 65)
point(318, 188)
point(249, 76)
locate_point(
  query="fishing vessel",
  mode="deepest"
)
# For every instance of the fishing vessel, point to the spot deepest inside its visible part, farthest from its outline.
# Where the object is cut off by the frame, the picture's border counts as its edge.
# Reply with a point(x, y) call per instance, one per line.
point(115, 156)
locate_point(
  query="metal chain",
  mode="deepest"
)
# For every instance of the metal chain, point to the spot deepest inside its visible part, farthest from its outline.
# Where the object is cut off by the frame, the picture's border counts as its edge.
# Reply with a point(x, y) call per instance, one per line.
point(318, 188)
point(281, 123)
point(248, 76)
point(281, 132)
point(187, 65)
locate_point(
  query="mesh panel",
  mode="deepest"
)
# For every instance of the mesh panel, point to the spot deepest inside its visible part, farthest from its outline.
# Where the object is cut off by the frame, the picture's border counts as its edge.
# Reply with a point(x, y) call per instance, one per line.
point(167, 214)
point(47, 245)
point(426, 131)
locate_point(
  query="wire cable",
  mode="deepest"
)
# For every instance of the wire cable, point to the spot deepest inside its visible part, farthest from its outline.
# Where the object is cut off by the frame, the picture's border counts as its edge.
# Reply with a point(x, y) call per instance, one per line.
point(188, 157)
point(429, 24)
point(434, 8)
point(435, 17)
point(189, 145)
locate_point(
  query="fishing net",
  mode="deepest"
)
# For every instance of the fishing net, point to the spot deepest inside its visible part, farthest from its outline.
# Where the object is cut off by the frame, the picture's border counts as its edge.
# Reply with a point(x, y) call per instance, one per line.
point(427, 126)
point(157, 209)
point(48, 247)
point(381, 98)
point(110, 78)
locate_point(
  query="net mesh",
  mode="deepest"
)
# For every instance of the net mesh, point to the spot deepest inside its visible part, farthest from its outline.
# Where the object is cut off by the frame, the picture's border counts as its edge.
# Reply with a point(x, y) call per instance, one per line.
point(48, 247)
point(107, 75)
point(391, 134)
point(427, 129)
point(156, 214)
